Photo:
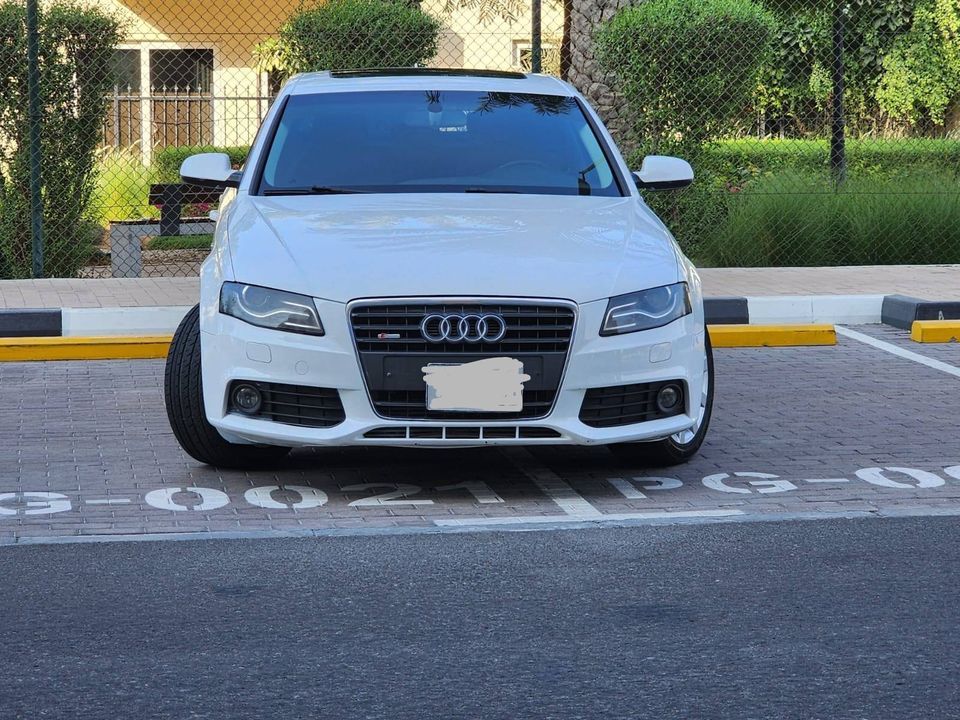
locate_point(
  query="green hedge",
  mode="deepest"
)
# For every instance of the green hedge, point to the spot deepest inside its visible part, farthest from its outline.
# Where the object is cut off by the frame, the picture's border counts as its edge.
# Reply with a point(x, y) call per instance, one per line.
point(800, 218)
point(201, 241)
point(739, 209)
point(732, 159)
point(167, 161)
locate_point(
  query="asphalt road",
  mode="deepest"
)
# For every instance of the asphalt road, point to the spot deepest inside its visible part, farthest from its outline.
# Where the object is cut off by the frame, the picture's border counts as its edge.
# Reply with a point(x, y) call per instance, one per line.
point(818, 619)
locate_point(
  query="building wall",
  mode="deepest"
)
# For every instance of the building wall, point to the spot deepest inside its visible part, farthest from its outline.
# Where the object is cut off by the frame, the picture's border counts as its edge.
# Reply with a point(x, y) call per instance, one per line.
point(492, 43)
point(233, 28)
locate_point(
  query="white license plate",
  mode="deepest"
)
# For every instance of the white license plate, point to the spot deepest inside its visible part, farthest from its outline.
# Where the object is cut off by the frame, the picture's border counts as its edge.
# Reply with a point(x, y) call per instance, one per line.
point(489, 385)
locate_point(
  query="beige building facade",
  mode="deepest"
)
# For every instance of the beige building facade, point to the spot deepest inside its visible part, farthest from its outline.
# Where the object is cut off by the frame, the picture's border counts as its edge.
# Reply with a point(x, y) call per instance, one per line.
point(187, 71)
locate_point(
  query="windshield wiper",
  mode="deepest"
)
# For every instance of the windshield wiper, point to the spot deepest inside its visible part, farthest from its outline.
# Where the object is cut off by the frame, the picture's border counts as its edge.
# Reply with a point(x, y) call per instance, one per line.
point(313, 190)
point(490, 190)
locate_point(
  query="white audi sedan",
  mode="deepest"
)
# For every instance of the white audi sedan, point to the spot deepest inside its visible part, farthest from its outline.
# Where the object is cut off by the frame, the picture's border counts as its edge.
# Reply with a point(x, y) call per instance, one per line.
point(439, 258)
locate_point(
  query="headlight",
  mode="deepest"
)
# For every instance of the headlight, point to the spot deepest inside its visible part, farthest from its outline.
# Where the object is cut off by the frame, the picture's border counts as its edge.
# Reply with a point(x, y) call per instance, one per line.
point(275, 309)
point(646, 309)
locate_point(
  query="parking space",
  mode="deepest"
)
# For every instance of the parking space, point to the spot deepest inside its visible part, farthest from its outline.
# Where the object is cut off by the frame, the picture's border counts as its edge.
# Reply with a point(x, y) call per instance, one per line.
point(943, 352)
point(851, 429)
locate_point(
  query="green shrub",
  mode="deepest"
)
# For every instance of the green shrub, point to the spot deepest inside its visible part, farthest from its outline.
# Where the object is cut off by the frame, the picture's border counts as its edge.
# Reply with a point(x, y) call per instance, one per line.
point(921, 78)
point(729, 173)
point(685, 68)
point(167, 161)
point(738, 160)
point(201, 241)
point(354, 34)
point(800, 218)
point(75, 50)
point(123, 183)
point(692, 213)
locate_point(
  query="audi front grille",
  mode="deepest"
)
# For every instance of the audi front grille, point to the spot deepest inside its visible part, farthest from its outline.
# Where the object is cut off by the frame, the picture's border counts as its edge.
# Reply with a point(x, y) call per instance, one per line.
point(393, 349)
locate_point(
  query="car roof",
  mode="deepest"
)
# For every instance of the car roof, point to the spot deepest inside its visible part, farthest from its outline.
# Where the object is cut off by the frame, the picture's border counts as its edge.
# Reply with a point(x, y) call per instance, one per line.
point(425, 79)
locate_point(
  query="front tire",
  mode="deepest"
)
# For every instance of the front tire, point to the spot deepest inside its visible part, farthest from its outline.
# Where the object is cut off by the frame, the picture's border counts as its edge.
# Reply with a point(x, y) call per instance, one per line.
point(679, 448)
point(183, 393)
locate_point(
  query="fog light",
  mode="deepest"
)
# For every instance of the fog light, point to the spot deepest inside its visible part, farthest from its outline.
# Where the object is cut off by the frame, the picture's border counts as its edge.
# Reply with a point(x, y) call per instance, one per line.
point(668, 397)
point(247, 398)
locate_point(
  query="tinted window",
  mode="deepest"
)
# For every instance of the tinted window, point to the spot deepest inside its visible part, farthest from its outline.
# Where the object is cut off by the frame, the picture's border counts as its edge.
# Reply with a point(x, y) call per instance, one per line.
point(438, 141)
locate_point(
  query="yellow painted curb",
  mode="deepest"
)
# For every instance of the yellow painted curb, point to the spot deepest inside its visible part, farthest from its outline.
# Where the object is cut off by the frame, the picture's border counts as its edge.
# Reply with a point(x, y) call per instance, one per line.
point(84, 348)
point(728, 336)
point(935, 331)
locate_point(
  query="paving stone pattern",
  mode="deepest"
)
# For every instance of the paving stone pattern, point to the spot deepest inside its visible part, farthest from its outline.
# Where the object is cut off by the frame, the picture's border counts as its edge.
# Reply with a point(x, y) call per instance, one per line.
point(97, 431)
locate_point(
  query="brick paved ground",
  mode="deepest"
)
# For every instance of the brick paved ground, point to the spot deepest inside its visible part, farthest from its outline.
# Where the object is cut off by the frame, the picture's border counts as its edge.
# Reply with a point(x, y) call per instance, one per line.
point(932, 282)
point(92, 432)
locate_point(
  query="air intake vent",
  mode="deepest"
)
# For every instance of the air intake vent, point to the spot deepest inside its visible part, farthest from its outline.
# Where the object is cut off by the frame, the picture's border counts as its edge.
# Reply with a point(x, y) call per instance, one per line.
point(295, 404)
point(461, 432)
point(625, 404)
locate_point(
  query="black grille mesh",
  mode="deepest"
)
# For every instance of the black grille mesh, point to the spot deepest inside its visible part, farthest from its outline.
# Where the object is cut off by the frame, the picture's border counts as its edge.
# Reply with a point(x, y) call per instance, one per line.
point(543, 331)
point(411, 405)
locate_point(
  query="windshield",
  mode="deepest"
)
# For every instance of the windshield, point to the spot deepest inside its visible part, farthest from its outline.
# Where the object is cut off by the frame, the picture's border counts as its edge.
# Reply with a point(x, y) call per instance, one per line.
point(435, 141)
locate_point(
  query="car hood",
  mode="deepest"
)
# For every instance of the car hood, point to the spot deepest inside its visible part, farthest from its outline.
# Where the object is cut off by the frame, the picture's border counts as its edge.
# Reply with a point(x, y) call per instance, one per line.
point(359, 246)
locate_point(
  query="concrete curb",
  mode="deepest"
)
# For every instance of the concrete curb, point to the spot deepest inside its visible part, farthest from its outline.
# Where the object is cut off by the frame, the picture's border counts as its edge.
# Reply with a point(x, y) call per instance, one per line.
point(31, 323)
point(86, 322)
point(807, 309)
point(901, 311)
point(726, 311)
point(897, 310)
point(550, 525)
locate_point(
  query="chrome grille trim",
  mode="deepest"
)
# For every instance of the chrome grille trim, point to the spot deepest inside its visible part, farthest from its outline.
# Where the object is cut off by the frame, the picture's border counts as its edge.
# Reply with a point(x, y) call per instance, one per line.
point(530, 328)
point(562, 317)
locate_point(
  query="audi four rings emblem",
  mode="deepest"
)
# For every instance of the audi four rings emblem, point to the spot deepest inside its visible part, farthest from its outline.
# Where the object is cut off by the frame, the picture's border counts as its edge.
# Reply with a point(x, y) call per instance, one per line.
point(463, 328)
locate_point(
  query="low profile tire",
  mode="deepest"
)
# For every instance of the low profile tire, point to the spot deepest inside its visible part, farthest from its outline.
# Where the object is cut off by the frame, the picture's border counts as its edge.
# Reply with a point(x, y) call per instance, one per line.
point(679, 448)
point(183, 391)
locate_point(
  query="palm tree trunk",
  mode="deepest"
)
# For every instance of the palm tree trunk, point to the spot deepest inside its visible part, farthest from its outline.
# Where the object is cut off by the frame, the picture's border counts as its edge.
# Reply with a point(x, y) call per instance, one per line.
point(580, 67)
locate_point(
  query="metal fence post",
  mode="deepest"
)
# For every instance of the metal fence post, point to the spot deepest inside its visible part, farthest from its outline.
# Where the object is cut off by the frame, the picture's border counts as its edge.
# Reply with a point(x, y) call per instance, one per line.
point(34, 117)
point(838, 159)
point(536, 45)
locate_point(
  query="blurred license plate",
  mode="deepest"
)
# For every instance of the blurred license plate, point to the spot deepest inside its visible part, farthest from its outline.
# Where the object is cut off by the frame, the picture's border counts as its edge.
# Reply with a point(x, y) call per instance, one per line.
point(488, 385)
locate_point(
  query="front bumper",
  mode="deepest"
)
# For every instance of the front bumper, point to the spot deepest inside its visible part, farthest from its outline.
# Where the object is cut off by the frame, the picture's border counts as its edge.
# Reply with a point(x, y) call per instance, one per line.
point(234, 350)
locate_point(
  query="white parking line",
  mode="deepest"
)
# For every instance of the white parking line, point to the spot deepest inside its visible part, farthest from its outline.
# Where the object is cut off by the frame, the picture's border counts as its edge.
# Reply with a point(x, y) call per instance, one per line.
point(569, 500)
point(898, 351)
point(626, 489)
point(108, 501)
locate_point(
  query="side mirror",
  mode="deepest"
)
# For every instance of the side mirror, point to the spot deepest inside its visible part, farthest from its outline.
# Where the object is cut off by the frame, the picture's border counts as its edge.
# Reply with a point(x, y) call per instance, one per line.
point(662, 172)
point(209, 170)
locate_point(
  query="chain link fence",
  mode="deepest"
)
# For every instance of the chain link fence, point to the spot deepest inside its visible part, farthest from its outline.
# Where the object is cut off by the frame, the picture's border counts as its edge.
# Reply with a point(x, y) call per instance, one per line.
point(822, 132)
